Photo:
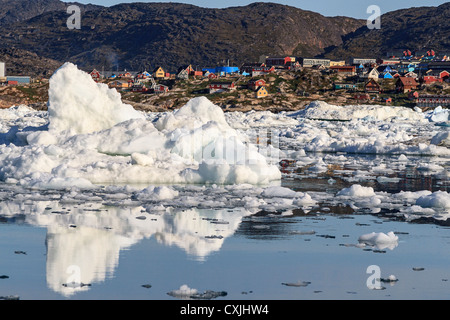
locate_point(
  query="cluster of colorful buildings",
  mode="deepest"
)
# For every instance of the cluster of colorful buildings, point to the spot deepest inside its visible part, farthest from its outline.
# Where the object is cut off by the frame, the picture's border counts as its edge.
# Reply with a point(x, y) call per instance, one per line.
point(409, 71)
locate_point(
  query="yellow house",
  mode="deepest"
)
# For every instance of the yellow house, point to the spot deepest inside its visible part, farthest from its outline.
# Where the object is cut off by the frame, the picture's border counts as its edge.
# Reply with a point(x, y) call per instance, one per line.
point(261, 92)
point(159, 73)
point(337, 63)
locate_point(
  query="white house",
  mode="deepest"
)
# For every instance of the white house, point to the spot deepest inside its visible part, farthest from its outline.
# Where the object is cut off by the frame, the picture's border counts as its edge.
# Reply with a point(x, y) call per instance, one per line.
point(372, 74)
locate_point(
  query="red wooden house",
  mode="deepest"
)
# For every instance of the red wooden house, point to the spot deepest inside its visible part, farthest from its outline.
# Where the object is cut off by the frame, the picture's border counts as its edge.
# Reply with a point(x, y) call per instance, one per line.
point(434, 76)
point(254, 84)
point(372, 87)
point(221, 86)
point(160, 88)
point(406, 84)
point(429, 78)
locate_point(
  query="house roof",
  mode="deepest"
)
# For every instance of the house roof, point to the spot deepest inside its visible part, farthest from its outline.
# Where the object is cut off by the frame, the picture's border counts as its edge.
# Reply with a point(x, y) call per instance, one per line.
point(252, 81)
point(157, 68)
point(408, 81)
point(372, 82)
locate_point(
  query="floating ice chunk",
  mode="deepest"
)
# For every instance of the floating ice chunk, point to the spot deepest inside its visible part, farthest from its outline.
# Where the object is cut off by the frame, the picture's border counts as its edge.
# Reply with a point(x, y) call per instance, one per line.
point(304, 200)
point(411, 195)
point(357, 190)
point(380, 240)
point(391, 279)
point(438, 199)
point(80, 105)
point(280, 192)
point(183, 292)
point(439, 115)
point(296, 284)
point(157, 193)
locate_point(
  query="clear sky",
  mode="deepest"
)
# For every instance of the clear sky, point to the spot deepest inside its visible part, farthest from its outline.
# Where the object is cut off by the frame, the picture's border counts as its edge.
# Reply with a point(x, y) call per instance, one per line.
point(349, 8)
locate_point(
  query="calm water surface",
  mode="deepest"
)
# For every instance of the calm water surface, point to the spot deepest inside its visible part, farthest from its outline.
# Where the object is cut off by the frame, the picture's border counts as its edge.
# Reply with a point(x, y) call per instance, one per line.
point(126, 253)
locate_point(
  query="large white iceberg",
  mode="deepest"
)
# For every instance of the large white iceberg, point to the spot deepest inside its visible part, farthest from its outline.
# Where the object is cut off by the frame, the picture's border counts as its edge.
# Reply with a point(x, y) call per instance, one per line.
point(93, 138)
point(78, 104)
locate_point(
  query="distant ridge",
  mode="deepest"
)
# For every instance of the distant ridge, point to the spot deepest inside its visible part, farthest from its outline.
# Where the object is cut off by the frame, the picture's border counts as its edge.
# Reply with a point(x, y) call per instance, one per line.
point(145, 35)
point(138, 36)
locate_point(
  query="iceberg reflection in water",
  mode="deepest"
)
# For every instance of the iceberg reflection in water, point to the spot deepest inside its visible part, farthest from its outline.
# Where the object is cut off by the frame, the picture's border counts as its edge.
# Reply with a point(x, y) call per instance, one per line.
point(84, 241)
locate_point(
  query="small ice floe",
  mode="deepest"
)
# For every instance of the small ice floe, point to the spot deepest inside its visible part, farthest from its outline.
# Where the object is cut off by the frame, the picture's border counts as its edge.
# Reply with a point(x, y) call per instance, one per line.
point(209, 294)
point(356, 190)
point(158, 193)
point(296, 284)
point(438, 114)
point(302, 233)
point(418, 268)
point(303, 200)
point(380, 240)
point(279, 192)
point(184, 292)
point(438, 199)
point(391, 279)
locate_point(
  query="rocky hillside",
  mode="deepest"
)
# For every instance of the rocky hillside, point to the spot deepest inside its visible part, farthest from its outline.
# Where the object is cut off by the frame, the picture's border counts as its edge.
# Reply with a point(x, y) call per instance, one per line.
point(137, 36)
point(16, 11)
point(420, 28)
point(21, 62)
point(143, 35)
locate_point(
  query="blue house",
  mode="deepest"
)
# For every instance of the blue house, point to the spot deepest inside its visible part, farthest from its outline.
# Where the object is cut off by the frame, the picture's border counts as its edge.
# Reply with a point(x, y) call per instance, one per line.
point(385, 75)
point(386, 68)
point(19, 79)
